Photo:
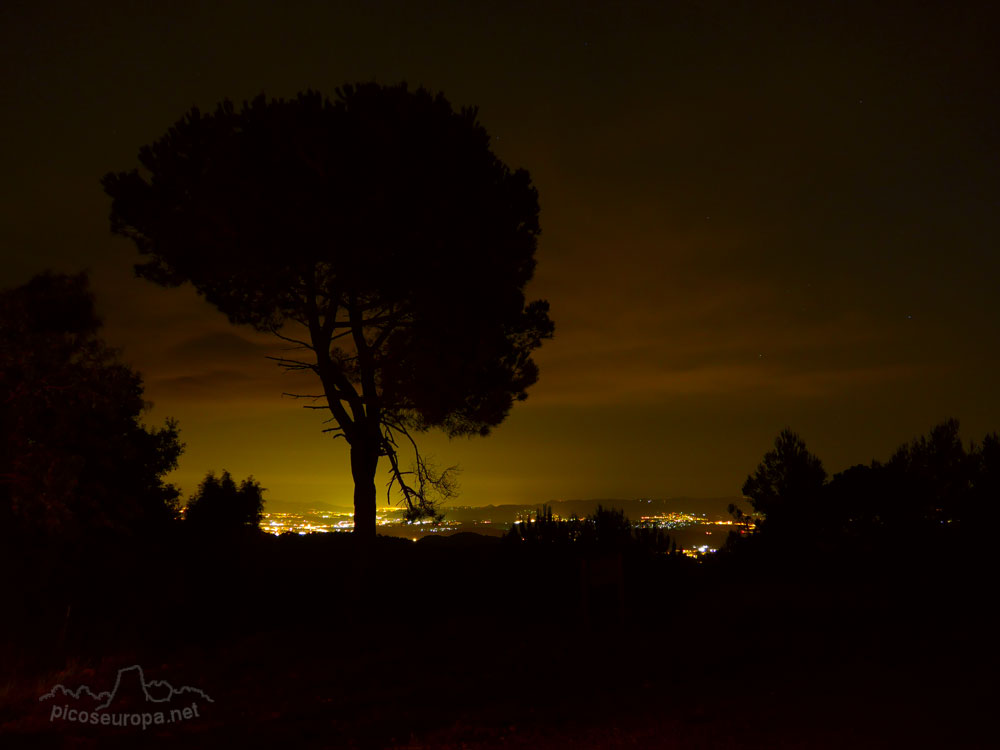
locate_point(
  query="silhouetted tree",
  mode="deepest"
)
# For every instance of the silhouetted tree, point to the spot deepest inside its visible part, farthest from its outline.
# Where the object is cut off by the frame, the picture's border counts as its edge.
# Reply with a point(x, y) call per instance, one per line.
point(220, 505)
point(932, 491)
point(609, 527)
point(860, 503)
point(785, 490)
point(545, 529)
point(606, 529)
point(380, 224)
point(979, 510)
point(932, 477)
point(74, 455)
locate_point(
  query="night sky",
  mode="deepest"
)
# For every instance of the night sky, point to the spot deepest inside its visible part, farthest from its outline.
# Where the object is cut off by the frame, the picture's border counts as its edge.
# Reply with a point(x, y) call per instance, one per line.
point(754, 215)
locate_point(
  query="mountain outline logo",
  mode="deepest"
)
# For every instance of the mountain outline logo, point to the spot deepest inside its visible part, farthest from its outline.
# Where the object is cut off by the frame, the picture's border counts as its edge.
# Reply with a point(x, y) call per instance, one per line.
point(135, 671)
point(133, 701)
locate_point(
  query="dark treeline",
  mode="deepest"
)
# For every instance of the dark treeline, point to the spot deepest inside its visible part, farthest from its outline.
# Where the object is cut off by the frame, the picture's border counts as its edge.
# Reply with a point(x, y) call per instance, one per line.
point(78, 466)
point(933, 497)
point(75, 458)
point(606, 529)
point(90, 532)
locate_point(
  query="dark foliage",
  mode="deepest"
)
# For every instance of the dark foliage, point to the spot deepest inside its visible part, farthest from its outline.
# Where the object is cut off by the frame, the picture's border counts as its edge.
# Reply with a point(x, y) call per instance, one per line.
point(785, 489)
point(220, 505)
point(606, 529)
point(932, 494)
point(75, 458)
point(379, 223)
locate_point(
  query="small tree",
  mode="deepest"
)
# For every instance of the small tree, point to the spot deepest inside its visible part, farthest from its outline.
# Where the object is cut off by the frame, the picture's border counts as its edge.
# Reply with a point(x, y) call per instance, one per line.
point(933, 476)
point(862, 502)
point(786, 487)
point(74, 454)
point(379, 235)
point(977, 513)
point(220, 505)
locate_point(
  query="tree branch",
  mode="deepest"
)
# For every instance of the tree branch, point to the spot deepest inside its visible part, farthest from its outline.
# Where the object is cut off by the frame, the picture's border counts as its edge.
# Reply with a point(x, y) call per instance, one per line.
point(301, 344)
point(420, 500)
point(292, 364)
point(335, 384)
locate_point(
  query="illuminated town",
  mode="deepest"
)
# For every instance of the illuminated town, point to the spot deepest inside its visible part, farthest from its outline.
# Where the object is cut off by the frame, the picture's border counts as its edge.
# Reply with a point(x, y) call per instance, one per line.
point(391, 522)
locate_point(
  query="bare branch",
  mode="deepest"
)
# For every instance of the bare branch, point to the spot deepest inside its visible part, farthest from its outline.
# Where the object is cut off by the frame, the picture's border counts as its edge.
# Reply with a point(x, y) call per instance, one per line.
point(300, 344)
point(292, 364)
point(431, 487)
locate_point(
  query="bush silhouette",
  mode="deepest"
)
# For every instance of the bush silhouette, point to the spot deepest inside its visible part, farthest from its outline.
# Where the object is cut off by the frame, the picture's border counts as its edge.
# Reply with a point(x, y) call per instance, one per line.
point(221, 506)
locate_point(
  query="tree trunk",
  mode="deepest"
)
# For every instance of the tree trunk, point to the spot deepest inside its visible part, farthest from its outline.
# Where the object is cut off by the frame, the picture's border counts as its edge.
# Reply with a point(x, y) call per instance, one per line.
point(364, 462)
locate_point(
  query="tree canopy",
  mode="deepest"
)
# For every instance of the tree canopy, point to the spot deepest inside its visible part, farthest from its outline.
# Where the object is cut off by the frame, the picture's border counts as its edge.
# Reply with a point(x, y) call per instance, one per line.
point(74, 454)
point(932, 490)
point(221, 505)
point(785, 488)
point(376, 232)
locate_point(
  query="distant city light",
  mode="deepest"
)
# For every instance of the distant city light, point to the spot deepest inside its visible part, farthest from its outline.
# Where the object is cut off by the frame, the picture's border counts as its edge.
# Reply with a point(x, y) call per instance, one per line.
point(392, 522)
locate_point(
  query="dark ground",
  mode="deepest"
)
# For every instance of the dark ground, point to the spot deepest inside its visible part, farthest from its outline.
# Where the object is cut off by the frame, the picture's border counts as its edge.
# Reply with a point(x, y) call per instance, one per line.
point(481, 645)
